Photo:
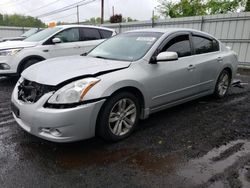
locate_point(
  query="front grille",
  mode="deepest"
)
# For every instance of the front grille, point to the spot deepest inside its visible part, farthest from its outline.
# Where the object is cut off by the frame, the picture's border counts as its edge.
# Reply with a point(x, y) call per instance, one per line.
point(31, 92)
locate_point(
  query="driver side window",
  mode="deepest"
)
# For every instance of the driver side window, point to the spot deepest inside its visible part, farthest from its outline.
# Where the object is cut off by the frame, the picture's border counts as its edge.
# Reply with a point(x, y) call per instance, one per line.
point(180, 44)
point(69, 35)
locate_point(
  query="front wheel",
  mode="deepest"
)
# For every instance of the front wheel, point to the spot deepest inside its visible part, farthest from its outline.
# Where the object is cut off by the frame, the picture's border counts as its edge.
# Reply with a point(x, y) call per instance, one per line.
point(118, 117)
point(223, 84)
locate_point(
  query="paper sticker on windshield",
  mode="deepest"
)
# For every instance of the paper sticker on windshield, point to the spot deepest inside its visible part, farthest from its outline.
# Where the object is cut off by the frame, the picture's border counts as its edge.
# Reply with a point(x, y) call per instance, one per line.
point(146, 39)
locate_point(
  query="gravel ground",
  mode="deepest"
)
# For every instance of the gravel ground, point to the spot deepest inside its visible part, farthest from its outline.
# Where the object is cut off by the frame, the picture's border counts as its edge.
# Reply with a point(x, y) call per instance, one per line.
point(203, 143)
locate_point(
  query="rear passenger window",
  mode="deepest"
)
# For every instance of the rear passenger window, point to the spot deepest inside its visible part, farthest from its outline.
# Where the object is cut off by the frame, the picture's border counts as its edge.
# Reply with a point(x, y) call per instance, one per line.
point(204, 45)
point(91, 34)
point(180, 45)
point(106, 34)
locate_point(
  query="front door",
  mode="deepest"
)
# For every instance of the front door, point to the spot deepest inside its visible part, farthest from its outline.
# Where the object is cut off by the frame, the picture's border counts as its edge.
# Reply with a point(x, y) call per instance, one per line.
point(70, 43)
point(171, 81)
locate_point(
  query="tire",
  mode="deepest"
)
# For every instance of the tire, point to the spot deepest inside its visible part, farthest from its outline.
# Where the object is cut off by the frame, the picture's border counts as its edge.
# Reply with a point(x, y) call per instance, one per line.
point(223, 84)
point(28, 63)
point(113, 123)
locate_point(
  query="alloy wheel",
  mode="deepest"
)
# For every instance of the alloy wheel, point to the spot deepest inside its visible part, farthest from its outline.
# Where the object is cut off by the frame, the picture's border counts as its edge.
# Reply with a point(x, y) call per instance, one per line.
point(122, 117)
point(223, 84)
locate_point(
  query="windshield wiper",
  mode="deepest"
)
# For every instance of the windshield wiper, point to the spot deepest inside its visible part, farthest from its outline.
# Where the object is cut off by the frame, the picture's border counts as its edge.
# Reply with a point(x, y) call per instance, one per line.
point(84, 54)
point(100, 57)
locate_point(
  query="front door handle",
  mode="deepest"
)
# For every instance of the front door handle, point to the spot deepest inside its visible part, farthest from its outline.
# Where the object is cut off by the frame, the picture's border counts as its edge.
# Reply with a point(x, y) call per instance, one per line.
point(191, 67)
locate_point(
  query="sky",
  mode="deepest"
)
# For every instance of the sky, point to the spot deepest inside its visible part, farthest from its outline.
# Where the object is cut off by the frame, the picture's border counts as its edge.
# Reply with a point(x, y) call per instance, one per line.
point(136, 9)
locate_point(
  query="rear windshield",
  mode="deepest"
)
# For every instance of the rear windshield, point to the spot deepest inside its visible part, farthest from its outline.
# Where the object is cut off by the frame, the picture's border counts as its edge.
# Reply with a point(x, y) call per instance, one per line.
point(105, 34)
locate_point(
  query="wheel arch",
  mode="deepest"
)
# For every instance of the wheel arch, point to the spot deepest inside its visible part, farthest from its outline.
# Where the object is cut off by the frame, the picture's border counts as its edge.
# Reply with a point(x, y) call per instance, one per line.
point(129, 89)
point(229, 70)
point(216, 94)
point(135, 91)
point(22, 62)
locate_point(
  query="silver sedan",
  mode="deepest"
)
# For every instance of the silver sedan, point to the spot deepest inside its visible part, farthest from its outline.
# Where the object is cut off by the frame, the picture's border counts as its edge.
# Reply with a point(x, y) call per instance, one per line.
point(124, 79)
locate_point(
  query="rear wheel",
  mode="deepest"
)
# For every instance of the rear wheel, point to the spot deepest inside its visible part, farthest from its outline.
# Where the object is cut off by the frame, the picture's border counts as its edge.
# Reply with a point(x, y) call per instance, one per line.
point(223, 84)
point(119, 117)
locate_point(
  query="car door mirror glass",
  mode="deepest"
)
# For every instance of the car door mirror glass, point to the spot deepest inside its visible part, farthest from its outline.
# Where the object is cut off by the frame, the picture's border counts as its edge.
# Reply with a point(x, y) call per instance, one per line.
point(56, 40)
point(167, 56)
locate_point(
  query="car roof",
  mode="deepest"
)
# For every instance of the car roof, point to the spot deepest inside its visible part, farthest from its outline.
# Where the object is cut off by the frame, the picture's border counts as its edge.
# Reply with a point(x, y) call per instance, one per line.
point(84, 26)
point(170, 30)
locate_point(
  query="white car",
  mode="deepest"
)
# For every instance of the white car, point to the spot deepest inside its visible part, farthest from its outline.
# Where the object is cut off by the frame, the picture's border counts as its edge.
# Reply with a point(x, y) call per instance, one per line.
point(15, 56)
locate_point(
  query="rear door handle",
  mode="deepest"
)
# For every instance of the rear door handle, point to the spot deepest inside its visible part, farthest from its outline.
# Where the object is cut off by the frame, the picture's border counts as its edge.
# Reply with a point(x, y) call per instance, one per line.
point(219, 59)
point(191, 67)
point(76, 47)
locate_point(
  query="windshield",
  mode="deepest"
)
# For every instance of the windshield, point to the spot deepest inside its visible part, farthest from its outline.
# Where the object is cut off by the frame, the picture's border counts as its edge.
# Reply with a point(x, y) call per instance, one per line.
point(30, 32)
point(42, 34)
point(126, 47)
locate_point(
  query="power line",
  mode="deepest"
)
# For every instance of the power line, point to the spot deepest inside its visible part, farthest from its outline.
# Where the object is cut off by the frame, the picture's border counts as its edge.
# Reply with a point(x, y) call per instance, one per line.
point(58, 10)
point(46, 5)
point(74, 5)
point(10, 4)
point(7, 3)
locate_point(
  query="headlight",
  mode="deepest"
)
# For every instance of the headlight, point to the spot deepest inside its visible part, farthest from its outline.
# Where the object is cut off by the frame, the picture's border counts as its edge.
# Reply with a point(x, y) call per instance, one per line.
point(73, 92)
point(10, 52)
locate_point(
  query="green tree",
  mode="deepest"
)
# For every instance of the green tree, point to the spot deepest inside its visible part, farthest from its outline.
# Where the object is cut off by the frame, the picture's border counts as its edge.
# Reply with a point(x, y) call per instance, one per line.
point(184, 8)
point(155, 18)
point(247, 5)
point(222, 6)
point(1, 19)
point(20, 21)
point(131, 19)
point(117, 18)
point(93, 21)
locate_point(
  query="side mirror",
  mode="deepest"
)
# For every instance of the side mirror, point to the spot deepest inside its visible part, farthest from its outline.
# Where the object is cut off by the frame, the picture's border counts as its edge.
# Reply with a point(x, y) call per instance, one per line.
point(167, 56)
point(56, 40)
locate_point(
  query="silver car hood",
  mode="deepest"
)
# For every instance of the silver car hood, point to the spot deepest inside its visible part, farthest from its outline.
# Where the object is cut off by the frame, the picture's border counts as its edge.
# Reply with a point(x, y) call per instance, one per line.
point(16, 44)
point(57, 70)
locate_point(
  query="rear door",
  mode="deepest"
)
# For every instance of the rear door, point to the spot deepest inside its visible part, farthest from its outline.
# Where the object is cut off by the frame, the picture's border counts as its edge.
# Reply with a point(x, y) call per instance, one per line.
point(207, 58)
point(90, 37)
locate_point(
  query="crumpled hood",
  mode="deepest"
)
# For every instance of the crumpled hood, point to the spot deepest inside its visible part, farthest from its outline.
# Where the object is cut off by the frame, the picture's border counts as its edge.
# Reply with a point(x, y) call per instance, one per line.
point(16, 44)
point(57, 70)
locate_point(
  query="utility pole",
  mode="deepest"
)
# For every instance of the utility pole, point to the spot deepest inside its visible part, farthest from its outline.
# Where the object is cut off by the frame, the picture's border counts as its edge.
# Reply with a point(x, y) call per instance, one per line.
point(153, 18)
point(113, 10)
point(102, 11)
point(77, 9)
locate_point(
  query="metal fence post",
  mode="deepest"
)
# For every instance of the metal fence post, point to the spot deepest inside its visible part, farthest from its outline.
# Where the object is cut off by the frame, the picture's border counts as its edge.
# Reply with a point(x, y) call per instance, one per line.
point(120, 28)
point(202, 22)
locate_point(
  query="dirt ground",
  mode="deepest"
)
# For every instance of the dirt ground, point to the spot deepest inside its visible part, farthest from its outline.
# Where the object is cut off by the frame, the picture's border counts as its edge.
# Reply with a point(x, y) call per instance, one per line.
point(203, 143)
